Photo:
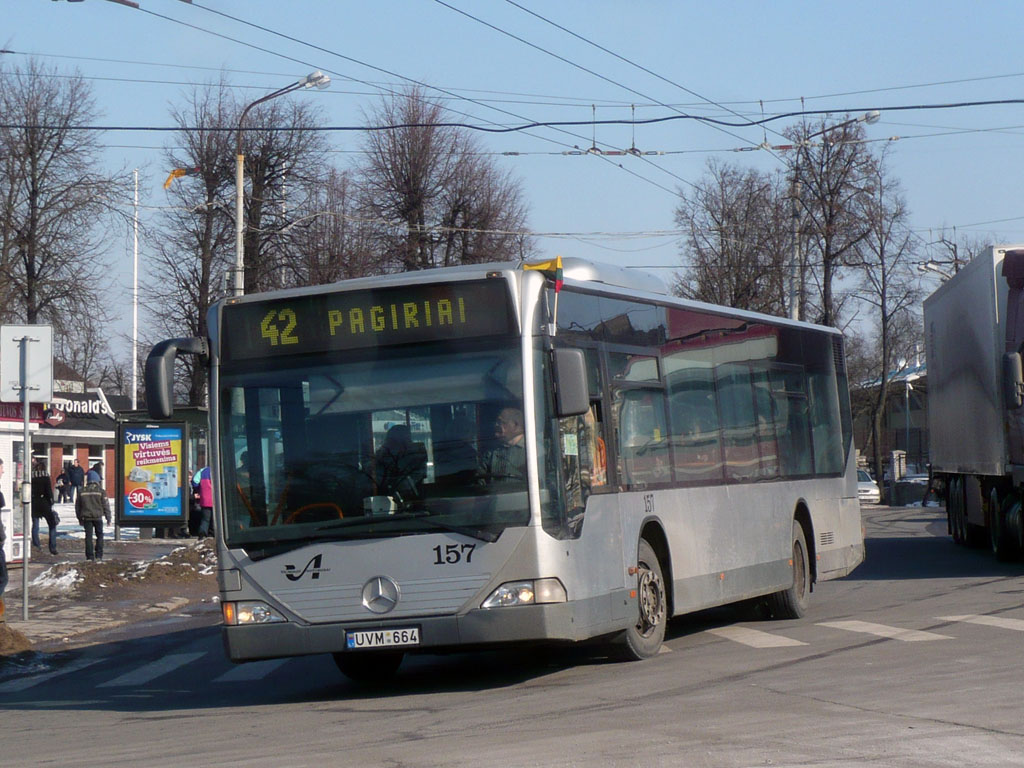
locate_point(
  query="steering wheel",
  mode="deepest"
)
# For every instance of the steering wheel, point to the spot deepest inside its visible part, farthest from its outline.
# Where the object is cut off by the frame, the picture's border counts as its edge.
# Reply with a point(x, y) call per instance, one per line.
point(314, 505)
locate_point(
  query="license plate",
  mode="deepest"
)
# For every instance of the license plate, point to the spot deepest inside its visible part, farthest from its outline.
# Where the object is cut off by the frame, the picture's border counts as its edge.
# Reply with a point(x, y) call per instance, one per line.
point(382, 638)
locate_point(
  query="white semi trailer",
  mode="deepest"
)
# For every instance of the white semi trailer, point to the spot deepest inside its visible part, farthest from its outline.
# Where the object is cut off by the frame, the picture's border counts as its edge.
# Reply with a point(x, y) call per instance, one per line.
point(974, 336)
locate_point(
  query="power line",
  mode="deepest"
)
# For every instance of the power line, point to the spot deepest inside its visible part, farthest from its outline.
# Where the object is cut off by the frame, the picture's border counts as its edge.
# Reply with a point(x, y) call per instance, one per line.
point(421, 84)
point(560, 123)
point(561, 58)
point(623, 59)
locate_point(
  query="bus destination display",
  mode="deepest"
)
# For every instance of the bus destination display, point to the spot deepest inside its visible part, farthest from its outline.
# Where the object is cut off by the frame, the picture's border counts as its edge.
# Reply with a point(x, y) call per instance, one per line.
point(359, 319)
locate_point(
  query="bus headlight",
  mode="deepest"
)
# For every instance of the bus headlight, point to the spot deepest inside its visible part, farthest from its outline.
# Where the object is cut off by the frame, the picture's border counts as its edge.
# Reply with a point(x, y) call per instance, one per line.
point(532, 592)
point(249, 612)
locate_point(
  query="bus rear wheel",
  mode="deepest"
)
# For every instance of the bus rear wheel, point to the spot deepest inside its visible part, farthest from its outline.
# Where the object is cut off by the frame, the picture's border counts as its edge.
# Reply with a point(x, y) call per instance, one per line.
point(372, 667)
point(644, 639)
point(792, 603)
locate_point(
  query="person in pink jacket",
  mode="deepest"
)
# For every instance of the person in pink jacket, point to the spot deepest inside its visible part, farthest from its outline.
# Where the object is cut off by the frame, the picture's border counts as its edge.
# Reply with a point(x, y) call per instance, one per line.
point(203, 479)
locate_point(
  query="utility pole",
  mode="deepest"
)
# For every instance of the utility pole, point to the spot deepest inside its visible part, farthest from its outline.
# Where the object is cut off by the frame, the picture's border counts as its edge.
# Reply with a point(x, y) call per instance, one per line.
point(794, 265)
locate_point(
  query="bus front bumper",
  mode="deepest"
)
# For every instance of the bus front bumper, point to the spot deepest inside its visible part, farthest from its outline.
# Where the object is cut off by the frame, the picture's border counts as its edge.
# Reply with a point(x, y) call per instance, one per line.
point(531, 623)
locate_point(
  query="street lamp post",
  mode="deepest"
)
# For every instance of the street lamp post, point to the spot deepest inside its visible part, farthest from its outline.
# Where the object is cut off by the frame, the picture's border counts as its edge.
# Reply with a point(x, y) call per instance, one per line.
point(313, 80)
point(794, 267)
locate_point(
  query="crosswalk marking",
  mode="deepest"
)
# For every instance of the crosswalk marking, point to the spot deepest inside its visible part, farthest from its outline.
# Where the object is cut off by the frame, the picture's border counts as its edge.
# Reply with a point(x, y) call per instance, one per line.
point(883, 630)
point(988, 621)
point(755, 638)
point(152, 671)
point(24, 683)
point(255, 670)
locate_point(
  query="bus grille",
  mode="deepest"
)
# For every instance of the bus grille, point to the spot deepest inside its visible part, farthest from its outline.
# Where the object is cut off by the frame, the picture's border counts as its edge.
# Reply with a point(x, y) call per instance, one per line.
point(421, 597)
point(827, 538)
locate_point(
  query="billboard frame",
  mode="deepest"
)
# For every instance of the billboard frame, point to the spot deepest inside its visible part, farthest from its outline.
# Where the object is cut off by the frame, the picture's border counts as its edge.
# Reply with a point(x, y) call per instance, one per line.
point(131, 519)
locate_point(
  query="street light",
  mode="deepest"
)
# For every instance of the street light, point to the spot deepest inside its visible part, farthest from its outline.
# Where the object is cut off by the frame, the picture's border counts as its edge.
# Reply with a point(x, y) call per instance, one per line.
point(313, 80)
point(794, 268)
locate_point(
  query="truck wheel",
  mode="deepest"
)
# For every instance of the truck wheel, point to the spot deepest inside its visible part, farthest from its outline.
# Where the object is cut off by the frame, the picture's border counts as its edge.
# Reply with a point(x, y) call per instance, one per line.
point(997, 527)
point(792, 603)
point(644, 640)
point(372, 667)
point(954, 510)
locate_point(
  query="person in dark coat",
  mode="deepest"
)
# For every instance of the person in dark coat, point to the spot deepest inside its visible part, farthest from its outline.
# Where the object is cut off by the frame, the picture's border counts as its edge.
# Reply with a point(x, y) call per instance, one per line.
point(91, 509)
point(77, 475)
point(63, 486)
point(42, 504)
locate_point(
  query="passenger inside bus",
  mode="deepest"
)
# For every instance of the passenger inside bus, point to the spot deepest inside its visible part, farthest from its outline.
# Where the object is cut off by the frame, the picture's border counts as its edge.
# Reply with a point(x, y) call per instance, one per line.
point(401, 464)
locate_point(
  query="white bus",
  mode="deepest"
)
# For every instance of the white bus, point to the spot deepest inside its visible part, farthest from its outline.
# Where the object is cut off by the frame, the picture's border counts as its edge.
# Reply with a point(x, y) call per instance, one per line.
point(468, 457)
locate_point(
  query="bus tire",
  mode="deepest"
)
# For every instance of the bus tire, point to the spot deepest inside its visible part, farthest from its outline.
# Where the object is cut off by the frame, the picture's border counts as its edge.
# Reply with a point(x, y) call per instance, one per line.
point(643, 640)
point(792, 603)
point(372, 667)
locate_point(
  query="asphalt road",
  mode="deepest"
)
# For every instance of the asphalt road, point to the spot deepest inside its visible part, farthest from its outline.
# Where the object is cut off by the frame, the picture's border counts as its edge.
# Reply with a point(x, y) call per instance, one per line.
point(914, 660)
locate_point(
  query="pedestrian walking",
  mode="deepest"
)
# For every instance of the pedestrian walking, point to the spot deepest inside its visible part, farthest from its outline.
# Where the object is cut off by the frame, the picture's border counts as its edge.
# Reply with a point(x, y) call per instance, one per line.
point(42, 504)
point(91, 509)
point(95, 474)
point(77, 476)
point(63, 486)
point(205, 483)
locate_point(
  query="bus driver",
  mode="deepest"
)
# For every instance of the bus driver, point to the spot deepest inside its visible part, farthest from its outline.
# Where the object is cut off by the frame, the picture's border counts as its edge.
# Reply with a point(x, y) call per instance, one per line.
point(506, 462)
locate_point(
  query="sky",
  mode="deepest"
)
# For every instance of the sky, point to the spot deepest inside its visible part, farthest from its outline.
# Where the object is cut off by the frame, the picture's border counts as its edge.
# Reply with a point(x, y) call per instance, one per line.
point(511, 65)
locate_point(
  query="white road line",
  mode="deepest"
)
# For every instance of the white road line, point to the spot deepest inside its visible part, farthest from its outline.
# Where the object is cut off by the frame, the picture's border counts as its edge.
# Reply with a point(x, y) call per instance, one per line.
point(882, 630)
point(255, 670)
point(152, 671)
point(988, 621)
point(24, 683)
point(755, 638)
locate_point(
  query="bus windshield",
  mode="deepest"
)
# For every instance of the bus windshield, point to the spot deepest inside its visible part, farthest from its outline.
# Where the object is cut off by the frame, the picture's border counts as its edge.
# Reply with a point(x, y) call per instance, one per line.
point(383, 442)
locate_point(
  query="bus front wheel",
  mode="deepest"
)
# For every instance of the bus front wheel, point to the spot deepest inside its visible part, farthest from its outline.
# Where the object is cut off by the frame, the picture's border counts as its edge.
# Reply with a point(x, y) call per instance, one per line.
point(644, 639)
point(369, 667)
point(792, 603)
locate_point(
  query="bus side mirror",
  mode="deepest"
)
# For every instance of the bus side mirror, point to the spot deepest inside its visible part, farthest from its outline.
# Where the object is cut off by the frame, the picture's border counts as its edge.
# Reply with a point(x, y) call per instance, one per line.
point(1013, 380)
point(160, 372)
point(572, 397)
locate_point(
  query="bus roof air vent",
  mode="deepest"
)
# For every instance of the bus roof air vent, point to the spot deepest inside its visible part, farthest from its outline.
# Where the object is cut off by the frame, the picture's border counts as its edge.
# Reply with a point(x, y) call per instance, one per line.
point(609, 274)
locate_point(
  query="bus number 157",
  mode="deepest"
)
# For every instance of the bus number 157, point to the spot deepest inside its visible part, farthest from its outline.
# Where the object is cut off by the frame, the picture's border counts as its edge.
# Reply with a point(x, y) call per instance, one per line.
point(450, 554)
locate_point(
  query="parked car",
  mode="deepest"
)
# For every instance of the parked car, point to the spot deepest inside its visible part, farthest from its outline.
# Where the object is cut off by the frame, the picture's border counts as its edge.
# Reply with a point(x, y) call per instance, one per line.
point(867, 489)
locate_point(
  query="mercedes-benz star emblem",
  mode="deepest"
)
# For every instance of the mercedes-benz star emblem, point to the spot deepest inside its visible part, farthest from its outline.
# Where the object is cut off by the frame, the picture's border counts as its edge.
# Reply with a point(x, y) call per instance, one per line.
point(381, 594)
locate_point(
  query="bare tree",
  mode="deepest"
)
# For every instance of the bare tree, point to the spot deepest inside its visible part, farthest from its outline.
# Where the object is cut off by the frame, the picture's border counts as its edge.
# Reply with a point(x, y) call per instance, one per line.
point(437, 200)
point(194, 241)
point(889, 286)
point(54, 200)
point(281, 166)
point(331, 241)
point(835, 173)
point(737, 242)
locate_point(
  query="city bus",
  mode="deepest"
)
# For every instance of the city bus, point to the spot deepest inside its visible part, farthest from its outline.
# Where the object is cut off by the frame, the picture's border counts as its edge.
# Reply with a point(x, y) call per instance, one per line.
point(502, 454)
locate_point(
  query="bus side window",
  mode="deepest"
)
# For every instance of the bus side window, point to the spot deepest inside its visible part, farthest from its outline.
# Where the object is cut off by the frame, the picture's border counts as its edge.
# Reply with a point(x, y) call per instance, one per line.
point(643, 455)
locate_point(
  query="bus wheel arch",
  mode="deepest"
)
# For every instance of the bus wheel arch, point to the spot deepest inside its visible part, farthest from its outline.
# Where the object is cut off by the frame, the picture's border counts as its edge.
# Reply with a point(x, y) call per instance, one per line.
point(802, 516)
point(644, 639)
point(655, 536)
point(792, 602)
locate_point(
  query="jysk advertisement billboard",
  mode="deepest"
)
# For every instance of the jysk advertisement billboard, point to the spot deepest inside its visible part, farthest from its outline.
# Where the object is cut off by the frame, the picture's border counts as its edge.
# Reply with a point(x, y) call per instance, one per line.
point(152, 481)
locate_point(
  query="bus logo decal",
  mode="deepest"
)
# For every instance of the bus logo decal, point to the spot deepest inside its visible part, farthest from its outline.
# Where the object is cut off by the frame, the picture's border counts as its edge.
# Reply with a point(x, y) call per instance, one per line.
point(313, 567)
point(381, 594)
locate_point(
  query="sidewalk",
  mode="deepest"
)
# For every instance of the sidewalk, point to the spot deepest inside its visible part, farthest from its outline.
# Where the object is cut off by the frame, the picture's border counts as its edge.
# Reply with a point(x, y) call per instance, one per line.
point(75, 602)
